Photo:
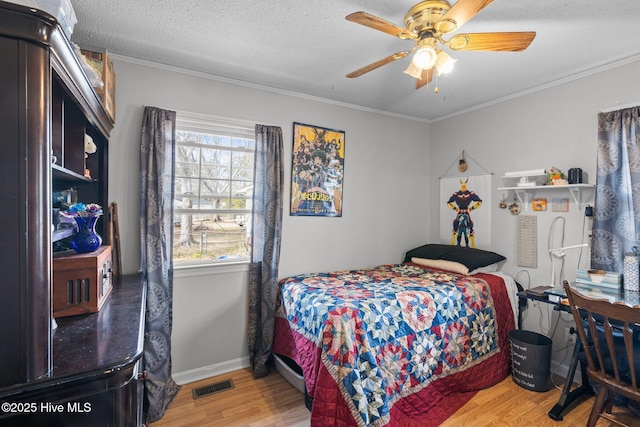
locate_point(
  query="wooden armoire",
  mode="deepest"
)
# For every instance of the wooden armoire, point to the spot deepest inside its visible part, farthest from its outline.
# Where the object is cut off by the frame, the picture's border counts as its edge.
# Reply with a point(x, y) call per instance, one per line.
point(88, 370)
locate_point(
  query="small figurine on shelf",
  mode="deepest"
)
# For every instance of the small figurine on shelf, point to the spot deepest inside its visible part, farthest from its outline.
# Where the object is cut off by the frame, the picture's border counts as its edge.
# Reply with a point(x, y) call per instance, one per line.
point(556, 177)
point(89, 148)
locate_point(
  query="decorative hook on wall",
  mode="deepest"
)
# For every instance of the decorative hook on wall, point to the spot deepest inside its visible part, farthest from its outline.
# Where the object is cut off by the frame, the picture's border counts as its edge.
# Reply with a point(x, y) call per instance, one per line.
point(462, 163)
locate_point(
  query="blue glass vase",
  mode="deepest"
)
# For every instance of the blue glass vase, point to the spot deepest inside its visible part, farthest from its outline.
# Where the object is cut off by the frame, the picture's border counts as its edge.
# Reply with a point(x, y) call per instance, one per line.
point(86, 239)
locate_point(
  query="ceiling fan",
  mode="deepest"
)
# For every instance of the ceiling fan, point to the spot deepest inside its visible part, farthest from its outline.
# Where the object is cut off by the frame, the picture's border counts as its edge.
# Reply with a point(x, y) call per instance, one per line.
point(426, 23)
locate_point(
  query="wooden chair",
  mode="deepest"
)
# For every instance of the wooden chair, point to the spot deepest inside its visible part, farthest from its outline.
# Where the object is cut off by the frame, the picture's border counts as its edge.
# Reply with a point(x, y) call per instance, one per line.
point(607, 332)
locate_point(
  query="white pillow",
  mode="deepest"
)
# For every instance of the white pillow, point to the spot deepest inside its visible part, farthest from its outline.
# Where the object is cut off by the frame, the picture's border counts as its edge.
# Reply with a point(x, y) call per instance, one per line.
point(491, 268)
point(442, 264)
point(453, 266)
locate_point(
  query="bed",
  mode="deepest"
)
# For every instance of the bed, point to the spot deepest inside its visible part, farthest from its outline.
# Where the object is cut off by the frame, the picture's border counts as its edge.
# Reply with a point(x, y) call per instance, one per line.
point(400, 344)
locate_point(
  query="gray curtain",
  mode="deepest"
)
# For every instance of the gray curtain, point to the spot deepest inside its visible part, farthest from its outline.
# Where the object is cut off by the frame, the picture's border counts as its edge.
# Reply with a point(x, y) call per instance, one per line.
point(265, 250)
point(157, 165)
point(616, 225)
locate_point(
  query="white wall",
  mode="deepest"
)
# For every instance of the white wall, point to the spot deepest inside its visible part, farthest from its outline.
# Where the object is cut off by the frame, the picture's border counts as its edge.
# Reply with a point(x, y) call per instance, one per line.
point(385, 200)
point(391, 190)
point(555, 126)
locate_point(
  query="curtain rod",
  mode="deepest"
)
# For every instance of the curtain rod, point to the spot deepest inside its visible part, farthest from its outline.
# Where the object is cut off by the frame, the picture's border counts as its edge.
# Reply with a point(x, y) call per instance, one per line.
point(620, 107)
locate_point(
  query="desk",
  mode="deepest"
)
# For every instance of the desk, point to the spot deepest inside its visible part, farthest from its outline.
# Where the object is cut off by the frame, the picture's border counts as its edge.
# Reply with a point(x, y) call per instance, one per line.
point(568, 396)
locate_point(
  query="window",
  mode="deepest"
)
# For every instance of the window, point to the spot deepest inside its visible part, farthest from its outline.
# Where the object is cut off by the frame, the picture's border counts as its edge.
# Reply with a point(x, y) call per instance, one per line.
point(213, 189)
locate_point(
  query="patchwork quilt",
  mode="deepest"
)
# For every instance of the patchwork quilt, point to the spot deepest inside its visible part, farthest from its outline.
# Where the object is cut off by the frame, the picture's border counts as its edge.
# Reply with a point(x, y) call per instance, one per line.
point(397, 344)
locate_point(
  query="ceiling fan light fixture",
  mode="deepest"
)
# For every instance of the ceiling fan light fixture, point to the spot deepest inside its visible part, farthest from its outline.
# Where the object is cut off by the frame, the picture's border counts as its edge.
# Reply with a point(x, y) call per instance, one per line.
point(413, 70)
point(425, 57)
point(444, 63)
point(425, 24)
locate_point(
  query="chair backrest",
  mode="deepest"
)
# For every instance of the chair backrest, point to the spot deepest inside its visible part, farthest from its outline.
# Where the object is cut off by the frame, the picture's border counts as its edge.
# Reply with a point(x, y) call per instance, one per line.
point(610, 332)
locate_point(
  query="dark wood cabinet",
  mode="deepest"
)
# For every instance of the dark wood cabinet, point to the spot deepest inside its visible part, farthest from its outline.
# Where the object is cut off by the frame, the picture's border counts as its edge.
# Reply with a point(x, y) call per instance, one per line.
point(46, 109)
point(97, 370)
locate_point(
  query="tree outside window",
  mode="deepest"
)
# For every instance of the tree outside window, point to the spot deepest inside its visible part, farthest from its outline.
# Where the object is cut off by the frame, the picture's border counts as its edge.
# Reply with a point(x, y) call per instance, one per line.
point(213, 192)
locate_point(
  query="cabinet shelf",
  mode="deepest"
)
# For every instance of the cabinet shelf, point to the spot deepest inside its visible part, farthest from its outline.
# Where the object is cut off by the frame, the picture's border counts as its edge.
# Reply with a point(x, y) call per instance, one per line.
point(524, 193)
point(62, 233)
point(66, 175)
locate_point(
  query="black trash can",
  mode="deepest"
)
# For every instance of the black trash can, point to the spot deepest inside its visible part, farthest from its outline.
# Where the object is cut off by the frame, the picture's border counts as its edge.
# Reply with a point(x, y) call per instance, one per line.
point(531, 360)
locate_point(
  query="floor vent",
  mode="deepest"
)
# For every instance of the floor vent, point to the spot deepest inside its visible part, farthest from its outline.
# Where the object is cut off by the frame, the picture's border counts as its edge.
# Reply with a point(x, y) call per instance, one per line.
point(212, 389)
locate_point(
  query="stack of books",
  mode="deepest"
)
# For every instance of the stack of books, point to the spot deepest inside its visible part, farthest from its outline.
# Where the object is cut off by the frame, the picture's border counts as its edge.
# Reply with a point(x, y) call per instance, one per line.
point(611, 281)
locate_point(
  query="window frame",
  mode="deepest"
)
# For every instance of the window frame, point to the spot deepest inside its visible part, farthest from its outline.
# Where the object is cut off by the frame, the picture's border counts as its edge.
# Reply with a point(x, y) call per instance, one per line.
point(223, 126)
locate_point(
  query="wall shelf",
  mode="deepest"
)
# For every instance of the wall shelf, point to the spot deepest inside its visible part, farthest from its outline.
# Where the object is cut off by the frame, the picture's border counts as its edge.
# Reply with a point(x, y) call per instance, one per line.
point(532, 183)
point(525, 193)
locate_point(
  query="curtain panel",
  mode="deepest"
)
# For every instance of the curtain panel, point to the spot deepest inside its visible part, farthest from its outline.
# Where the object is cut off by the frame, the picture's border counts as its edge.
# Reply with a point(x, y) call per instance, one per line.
point(265, 244)
point(616, 225)
point(157, 165)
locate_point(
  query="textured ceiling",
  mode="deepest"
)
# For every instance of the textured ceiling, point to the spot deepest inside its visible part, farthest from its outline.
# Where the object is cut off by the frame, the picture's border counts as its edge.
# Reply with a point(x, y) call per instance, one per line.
point(307, 46)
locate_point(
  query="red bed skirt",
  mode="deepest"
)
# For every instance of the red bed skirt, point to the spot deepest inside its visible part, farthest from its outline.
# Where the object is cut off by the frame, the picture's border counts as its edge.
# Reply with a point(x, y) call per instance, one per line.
point(428, 406)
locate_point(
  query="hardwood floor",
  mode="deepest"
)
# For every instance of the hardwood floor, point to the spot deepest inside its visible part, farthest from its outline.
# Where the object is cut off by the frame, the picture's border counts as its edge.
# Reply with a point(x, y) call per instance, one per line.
point(273, 402)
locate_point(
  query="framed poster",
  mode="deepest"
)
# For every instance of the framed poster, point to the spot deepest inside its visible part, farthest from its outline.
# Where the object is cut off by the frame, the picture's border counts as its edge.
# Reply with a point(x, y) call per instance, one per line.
point(317, 171)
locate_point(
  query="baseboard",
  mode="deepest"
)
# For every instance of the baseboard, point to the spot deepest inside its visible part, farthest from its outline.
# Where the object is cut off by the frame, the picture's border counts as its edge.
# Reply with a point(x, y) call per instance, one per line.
point(204, 372)
point(563, 371)
point(216, 369)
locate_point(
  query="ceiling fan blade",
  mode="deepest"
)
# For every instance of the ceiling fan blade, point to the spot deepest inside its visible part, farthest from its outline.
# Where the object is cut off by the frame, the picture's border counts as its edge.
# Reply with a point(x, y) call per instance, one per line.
point(378, 64)
point(425, 78)
point(504, 42)
point(460, 13)
point(368, 20)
